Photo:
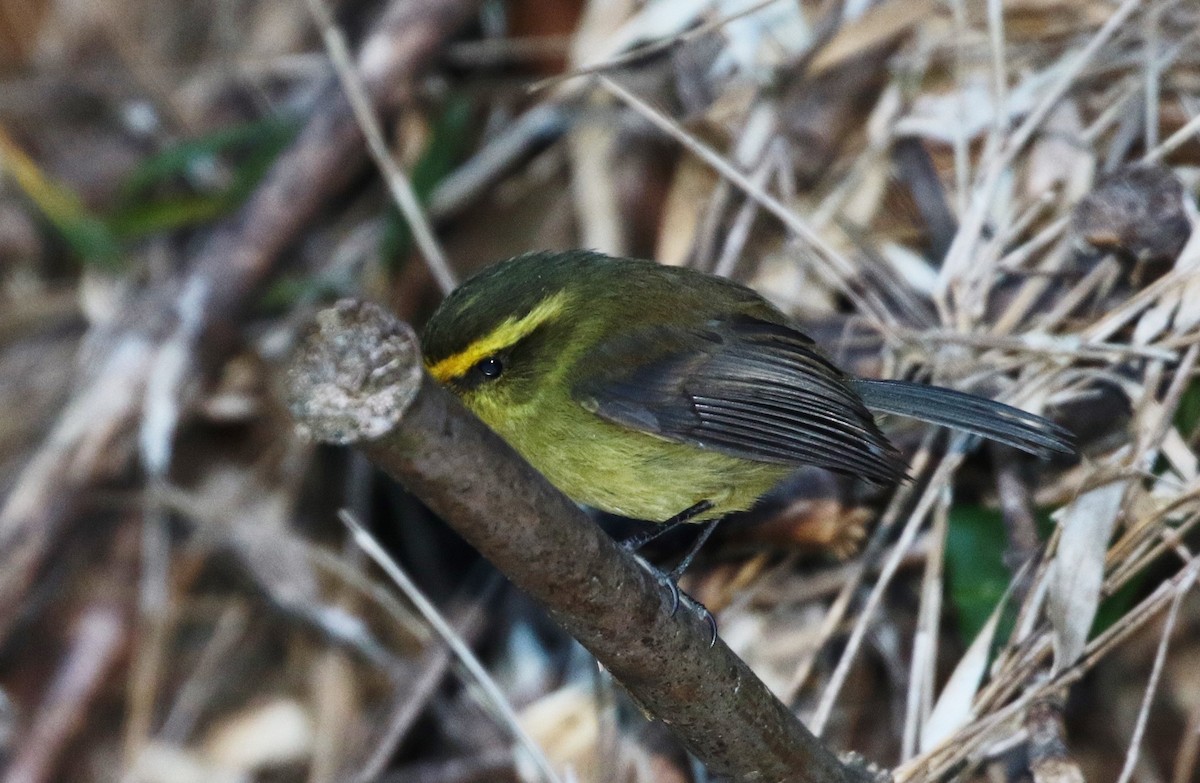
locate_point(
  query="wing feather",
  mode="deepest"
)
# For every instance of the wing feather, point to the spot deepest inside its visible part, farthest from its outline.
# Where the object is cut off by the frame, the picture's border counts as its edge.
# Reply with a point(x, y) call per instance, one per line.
point(742, 386)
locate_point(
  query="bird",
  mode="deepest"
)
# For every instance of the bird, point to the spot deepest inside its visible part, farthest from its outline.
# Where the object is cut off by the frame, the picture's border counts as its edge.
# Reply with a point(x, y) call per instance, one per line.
point(667, 394)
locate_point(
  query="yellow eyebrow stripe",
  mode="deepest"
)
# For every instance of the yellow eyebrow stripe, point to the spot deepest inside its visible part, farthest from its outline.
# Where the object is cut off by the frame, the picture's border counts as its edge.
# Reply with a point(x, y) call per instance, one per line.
point(507, 334)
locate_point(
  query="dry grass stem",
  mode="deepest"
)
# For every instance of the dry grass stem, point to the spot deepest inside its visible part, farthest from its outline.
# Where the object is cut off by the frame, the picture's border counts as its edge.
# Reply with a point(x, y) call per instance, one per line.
point(494, 696)
point(398, 182)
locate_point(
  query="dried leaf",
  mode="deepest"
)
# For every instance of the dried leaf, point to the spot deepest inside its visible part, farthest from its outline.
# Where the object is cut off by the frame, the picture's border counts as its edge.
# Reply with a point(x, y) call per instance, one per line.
point(1139, 211)
point(602, 34)
point(265, 735)
point(158, 762)
point(1078, 570)
point(1059, 157)
point(1156, 319)
point(565, 724)
point(592, 148)
point(1187, 266)
point(912, 267)
point(878, 25)
point(1183, 460)
point(955, 706)
point(970, 110)
point(1049, 759)
point(763, 40)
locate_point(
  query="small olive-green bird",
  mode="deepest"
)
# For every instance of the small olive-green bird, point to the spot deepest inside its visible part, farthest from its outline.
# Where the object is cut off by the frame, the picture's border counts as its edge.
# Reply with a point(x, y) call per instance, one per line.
point(662, 393)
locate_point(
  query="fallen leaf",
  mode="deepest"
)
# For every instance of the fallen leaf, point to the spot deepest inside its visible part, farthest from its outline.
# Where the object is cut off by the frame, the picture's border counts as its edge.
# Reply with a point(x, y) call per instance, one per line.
point(1077, 573)
point(878, 25)
point(955, 706)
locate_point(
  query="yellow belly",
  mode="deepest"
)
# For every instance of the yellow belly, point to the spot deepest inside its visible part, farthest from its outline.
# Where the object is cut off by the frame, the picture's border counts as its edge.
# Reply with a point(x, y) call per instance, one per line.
point(631, 473)
point(656, 481)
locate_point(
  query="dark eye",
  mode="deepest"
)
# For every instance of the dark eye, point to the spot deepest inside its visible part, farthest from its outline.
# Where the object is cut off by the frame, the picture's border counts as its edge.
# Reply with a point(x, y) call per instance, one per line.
point(490, 367)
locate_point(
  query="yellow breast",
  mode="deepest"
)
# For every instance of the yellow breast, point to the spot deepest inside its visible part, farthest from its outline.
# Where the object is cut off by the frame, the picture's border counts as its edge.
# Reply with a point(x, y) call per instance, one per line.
point(627, 472)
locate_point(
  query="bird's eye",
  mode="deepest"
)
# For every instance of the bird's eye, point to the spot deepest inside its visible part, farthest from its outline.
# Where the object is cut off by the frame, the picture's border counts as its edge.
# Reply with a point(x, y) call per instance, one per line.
point(490, 367)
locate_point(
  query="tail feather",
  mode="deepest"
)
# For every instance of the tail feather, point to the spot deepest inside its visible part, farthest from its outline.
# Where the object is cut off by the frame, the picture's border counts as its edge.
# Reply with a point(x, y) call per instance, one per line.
point(967, 412)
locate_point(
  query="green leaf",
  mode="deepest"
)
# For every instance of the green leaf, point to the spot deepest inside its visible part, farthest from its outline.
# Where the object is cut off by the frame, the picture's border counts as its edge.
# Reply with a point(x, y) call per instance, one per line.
point(144, 208)
point(288, 290)
point(1187, 415)
point(179, 159)
point(975, 571)
point(152, 199)
point(86, 234)
point(91, 239)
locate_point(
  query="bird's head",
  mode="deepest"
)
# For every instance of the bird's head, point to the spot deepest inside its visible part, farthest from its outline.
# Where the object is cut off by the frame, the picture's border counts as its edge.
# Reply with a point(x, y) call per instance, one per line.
point(498, 340)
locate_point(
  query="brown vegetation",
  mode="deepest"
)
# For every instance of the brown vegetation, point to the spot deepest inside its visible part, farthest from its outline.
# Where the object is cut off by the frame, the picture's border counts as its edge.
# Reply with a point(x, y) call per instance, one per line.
point(998, 196)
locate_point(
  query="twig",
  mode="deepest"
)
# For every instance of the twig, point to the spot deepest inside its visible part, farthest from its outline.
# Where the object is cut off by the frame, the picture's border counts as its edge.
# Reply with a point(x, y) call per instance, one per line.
point(1039, 344)
point(1174, 141)
point(68, 461)
point(157, 615)
point(923, 671)
point(938, 483)
point(96, 644)
point(1188, 755)
point(836, 267)
point(935, 763)
point(1016, 510)
point(856, 572)
point(411, 699)
point(519, 141)
point(995, 24)
point(962, 155)
point(1049, 759)
point(358, 380)
point(397, 181)
point(739, 230)
point(333, 709)
point(411, 695)
point(192, 697)
point(1160, 658)
point(1150, 26)
point(644, 51)
point(454, 641)
point(957, 268)
point(493, 766)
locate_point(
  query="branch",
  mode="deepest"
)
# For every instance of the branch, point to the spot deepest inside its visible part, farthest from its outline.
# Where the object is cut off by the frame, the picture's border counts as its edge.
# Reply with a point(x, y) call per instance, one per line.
point(358, 380)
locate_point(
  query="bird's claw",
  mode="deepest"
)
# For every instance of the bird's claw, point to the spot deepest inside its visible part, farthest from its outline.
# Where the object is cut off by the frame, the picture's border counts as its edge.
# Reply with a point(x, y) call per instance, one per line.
point(705, 615)
point(678, 597)
point(673, 591)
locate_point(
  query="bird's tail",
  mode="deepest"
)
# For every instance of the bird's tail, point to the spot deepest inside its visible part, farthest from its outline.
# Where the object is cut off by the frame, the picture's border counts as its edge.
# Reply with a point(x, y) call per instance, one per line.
point(967, 412)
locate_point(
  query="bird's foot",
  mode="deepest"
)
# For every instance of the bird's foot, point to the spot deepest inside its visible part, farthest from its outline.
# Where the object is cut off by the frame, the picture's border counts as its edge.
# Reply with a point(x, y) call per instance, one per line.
point(679, 598)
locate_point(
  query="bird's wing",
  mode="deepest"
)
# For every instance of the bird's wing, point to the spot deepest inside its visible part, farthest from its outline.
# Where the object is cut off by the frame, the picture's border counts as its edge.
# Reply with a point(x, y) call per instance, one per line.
point(742, 386)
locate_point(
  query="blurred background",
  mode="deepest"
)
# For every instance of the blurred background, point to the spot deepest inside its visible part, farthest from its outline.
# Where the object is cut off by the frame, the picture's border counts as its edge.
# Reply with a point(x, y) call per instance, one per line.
point(994, 195)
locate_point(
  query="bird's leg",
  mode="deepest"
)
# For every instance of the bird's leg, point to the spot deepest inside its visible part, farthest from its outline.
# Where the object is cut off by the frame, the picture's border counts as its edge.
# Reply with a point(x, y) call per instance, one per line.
point(678, 570)
point(668, 580)
point(671, 581)
point(634, 543)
